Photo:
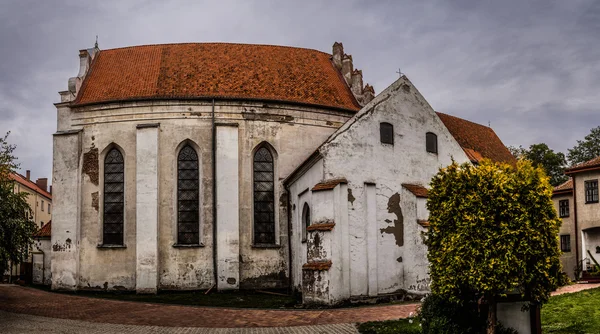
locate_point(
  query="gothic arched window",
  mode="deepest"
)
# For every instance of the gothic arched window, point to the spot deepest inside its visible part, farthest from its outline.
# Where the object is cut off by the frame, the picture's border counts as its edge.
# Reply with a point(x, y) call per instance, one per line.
point(431, 142)
point(114, 198)
point(305, 219)
point(188, 197)
point(264, 197)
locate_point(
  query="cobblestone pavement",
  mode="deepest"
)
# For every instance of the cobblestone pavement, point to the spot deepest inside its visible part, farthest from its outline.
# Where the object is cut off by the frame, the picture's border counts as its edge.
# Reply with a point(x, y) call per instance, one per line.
point(13, 323)
point(17, 299)
point(575, 288)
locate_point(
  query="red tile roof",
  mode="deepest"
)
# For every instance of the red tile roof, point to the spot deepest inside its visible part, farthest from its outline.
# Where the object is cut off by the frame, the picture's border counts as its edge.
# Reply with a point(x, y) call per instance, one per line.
point(585, 166)
point(564, 188)
point(477, 140)
point(45, 231)
point(216, 70)
point(416, 189)
point(328, 184)
point(30, 184)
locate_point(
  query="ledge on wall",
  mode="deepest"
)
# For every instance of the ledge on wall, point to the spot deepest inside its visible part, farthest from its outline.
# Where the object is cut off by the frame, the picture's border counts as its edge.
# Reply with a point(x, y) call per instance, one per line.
point(111, 246)
point(321, 227)
point(317, 265)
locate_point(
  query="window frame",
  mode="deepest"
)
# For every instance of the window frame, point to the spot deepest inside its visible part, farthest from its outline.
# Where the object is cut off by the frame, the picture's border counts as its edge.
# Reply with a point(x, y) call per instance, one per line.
point(431, 136)
point(386, 133)
point(197, 241)
point(565, 243)
point(591, 192)
point(103, 214)
point(563, 210)
point(275, 221)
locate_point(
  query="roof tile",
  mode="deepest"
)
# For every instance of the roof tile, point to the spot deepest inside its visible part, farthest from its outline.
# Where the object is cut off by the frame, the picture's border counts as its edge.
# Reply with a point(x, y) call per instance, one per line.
point(45, 231)
point(416, 189)
point(30, 184)
point(214, 70)
point(590, 164)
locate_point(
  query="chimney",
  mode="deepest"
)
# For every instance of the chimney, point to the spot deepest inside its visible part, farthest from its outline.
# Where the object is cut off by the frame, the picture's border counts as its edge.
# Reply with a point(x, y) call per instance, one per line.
point(368, 94)
point(42, 183)
point(338, 52)
point(50, 190)
point(347, 68)
point(28, 174)
point(357, 83)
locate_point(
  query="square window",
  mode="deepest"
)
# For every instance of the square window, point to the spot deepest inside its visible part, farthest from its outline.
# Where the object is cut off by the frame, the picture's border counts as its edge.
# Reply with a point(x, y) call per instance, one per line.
point(591, 191)
point(563, 208)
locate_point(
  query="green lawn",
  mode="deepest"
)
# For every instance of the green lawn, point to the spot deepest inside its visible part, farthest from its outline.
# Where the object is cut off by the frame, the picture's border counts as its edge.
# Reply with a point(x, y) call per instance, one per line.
point(402, 326)
point(573, 313)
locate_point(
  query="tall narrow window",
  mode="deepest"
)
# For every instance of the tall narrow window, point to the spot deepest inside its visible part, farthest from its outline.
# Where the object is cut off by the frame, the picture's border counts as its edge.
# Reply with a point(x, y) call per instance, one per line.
point(386, 133)
point(188, 197)
point(114, 198)
point(305, 220)
point(591, 191)
point(565, 243)
point(264, 197)
point(563, 208)
point(431, 142)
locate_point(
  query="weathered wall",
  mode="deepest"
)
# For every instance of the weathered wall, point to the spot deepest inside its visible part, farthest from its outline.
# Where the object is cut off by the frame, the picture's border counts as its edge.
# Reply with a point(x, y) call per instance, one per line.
point(42, 273)
point(588, 215)
point(386, 250)
point(293, 133)
point(567, 259)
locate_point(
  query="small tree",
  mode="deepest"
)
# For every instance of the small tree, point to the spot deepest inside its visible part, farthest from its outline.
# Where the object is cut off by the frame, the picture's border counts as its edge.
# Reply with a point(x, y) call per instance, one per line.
point(16, 227)
point(553, 163)
point(586, 149)
point(493, 230)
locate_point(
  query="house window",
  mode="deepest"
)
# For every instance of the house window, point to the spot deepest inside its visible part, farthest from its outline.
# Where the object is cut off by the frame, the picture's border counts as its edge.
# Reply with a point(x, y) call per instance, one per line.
point(591, 191)
point(563, 208)
point(264, 197)
point(305, 220)
point(565, 243)
point(188, 197)
point(42, 205)
point(49, 208)
point(386, 132)
point(114, 198)
point(431, 142)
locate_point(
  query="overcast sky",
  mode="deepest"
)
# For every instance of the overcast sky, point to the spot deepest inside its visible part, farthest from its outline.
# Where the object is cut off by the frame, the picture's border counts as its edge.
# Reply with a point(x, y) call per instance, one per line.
point(529, 68)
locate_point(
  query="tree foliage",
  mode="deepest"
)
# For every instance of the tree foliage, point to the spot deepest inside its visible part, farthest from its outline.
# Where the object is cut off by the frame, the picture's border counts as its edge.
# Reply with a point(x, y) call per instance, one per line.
point(493, 230)
point(553, 163)
point(586, 149)
point(16, 226)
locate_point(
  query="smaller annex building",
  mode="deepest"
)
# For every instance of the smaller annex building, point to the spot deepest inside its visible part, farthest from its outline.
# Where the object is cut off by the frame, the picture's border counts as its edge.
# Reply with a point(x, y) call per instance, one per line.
point(358, 203)
point(577, 204)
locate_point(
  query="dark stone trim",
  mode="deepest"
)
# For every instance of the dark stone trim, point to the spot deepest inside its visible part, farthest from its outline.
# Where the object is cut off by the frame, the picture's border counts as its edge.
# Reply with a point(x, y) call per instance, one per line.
point(266, 246)
point(235, 125)
point(102, 246)
point(68, 132)
point(188, 245)
point(147, 125)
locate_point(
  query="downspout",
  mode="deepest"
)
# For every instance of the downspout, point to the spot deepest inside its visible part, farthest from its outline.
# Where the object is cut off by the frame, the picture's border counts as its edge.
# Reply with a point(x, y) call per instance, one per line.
point(214, 191)
point(289, 233)
point(575, 222)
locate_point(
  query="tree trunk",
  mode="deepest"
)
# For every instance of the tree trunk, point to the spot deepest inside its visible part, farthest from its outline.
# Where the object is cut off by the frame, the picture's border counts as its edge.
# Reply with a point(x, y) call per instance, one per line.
point(491, 318)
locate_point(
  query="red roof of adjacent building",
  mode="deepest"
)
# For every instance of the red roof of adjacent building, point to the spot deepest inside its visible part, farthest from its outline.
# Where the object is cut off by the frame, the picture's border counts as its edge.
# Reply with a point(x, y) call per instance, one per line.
point(477, 140)
point(30, 184)
point(45, 231)
point(328, 184)
point(564, 188)
point(585, 166)
point(216, 70)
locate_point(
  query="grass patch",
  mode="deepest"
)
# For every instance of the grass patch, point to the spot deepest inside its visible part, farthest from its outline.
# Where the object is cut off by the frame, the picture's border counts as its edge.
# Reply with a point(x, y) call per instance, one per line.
point(232, 299)
point(401, 326)
point(573, 313)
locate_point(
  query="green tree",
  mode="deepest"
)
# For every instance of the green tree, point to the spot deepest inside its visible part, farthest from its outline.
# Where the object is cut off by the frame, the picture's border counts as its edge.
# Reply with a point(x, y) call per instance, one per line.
point(16, 226)
point(586, 149)
point(493, 229)
point(553, 163)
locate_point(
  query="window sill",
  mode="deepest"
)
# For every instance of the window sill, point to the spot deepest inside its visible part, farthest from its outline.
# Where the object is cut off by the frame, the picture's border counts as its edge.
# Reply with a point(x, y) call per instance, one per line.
point(266, 246)
point(188, 245)
point(111, 246)
point(592, 202)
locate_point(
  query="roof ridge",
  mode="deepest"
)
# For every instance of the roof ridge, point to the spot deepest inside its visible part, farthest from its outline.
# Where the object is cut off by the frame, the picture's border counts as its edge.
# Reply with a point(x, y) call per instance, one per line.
point(215, 43)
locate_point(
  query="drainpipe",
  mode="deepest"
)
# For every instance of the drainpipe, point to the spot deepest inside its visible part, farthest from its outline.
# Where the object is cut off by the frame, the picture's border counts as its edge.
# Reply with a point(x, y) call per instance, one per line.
point(575, 222)
point(214, 191)
point(289, 233)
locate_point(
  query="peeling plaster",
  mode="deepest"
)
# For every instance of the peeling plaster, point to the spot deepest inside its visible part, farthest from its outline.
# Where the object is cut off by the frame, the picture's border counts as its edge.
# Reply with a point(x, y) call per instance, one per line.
point(95, 202)
point(351, 198)
point(398, 229)
point(90, 165)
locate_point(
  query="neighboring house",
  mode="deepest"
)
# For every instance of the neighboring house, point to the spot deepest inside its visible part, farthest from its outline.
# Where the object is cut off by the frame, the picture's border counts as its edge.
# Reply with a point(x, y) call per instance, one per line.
point(170, 161)
point(576, 202)
point(358, 204)
point(39, 198)
point(40, 255)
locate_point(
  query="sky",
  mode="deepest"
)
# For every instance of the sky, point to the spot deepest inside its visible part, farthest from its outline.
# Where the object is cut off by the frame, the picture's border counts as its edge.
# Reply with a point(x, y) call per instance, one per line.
point(530, 69)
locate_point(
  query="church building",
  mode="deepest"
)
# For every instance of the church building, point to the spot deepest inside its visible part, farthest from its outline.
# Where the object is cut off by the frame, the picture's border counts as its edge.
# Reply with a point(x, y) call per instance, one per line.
point(188, 166)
